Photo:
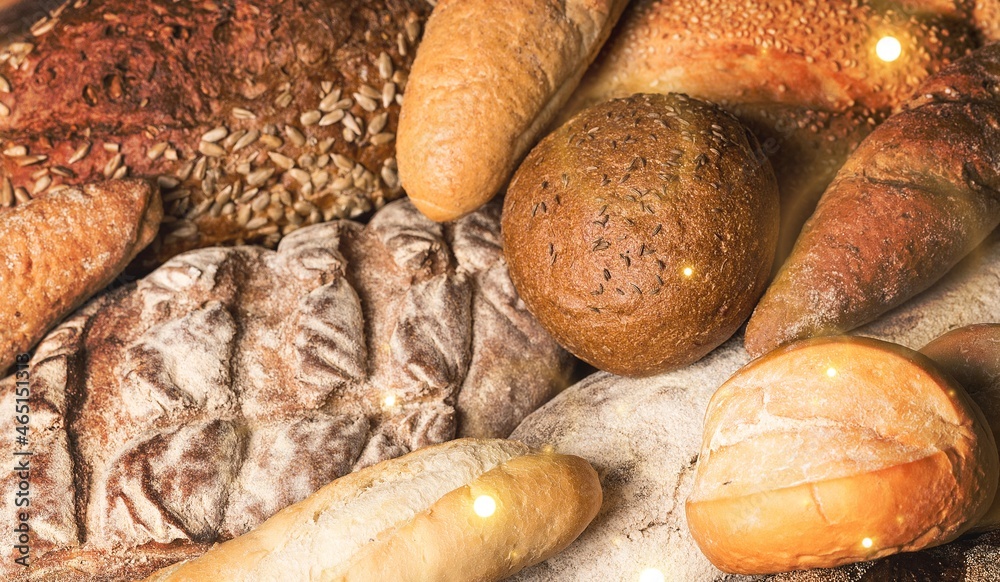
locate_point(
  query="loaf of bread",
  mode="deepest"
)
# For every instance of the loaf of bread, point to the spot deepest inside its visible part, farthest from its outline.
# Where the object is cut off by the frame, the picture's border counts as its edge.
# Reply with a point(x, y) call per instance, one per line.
point(465, 511)
point(804, 76)
point(837, 450)
point(918, 195)
point(643, 436)
point(257, 116)
point(230, 383)
point(61, 250)
point(971, 355)
point(641, 233)
point(488, 80)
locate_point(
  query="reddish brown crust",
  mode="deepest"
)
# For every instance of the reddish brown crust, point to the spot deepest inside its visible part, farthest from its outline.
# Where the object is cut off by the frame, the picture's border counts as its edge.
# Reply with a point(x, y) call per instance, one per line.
point(139, 74)
point(606, 213)
point(920, 193)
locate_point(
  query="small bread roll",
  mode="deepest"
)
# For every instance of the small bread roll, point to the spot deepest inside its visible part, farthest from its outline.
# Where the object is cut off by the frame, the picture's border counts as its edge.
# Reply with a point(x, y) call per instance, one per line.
point(838, 450)
point(972, 356)
point(467, 510)
point(641, 233)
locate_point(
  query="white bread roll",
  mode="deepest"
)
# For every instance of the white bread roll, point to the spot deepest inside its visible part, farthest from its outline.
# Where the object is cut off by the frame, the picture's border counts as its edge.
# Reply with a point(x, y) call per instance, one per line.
point(418, 518)
point(488, 79)
point(838, 450)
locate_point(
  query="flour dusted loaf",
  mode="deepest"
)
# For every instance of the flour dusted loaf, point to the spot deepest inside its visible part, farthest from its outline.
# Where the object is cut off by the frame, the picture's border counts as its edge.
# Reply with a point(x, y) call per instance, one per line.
point(232, 382)
point(643, 437)
point(257, 116)
point(418, 518)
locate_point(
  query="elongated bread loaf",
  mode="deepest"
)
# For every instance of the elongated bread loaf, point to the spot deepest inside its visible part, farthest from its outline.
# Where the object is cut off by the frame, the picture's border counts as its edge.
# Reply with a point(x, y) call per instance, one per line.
point(467, 510)
point(58, 251)
point(488, 79)
point(918, 195)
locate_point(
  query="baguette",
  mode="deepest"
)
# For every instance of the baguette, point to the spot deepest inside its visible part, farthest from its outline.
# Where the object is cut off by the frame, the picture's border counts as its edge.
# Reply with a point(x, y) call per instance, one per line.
point(61, 250)
point(918, 195)
point(418, 518)
point(488, 79)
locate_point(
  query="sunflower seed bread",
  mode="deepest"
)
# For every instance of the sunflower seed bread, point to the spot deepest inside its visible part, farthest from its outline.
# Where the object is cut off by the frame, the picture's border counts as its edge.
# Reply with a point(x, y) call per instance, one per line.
point(232, 382)
point(257, 117)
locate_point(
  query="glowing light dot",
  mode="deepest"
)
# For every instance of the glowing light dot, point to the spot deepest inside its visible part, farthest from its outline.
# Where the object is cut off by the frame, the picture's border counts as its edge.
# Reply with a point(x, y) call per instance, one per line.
point(831, 372)
point(389, 401)
point(888, 49)
point(688, 271)
point(867, 542)
point(484, 506)
point(651, 575)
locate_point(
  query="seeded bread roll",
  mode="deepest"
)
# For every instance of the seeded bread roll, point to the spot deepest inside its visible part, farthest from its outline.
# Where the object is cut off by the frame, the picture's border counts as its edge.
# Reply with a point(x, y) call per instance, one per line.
point(488, 80)
point(642, 232)
point(838, 450)
point(230, 383)
point(972, 356)
point(257, 116)
point(418, 518)
point(59, 251)
point(804, 76)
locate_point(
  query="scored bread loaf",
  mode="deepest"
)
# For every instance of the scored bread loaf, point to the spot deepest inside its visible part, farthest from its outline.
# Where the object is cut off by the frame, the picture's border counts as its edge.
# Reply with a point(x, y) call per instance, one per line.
point(418, 518)
point(59, 251)
point(836, 450)
point(804, 76)
point(488, 79)
point(257, 116)
point(918, 195)
point(232, 382)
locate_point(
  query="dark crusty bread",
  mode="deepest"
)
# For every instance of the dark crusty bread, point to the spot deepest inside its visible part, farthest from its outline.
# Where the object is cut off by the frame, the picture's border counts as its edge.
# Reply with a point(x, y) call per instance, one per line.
point(61, 250)
point(641, 233)
point(232, 382)
point(918, 195)
point(247, 109)
point(804, 76)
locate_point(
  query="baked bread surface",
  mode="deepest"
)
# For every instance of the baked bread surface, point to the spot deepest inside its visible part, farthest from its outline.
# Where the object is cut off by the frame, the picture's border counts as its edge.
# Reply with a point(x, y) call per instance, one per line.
point(257, 116)
point(232, 382)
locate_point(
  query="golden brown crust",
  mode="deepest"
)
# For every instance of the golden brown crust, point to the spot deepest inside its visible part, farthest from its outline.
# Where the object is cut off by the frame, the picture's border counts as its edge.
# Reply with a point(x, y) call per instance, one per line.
point(60, 250)
point(488, 79)
point(642, 232)
point(258, 116)
point(972, 356)
point(836, 450)
point(543, 501)
point(920, 193)
point(803, 75)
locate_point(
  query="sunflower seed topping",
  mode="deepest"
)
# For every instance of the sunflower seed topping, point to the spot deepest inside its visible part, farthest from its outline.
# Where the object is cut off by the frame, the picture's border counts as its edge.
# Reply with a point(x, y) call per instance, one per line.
point(216, 135)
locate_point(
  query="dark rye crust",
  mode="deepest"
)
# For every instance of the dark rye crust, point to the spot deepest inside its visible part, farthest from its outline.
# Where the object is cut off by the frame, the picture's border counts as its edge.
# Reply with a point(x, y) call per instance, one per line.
point(606, 213)
point(232, 104)
point(229, 383)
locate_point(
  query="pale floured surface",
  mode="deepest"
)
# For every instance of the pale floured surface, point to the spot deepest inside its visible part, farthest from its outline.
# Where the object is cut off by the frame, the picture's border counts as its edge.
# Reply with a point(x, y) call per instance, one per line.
point(643, 436)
